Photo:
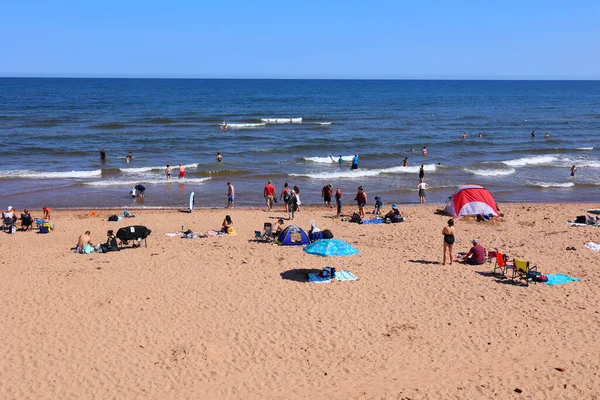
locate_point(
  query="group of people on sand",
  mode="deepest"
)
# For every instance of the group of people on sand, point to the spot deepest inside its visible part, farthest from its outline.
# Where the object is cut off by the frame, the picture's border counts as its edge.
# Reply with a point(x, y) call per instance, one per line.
point(475, 256)
point(85, 245)
point(9, 219)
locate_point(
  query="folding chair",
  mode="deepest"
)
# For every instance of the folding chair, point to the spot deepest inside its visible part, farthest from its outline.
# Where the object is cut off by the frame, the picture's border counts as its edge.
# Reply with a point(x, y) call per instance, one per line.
point(522, 269)
point(491, 255)
point(502, 263)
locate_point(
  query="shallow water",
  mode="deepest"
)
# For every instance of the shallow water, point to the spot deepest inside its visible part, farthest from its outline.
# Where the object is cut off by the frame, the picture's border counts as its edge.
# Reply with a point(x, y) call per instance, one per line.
point(54, 128)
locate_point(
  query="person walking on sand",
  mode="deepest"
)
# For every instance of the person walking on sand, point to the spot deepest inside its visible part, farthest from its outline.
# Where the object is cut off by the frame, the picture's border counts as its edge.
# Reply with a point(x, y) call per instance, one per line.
point(338, 200)
point(361, 201)
point(269, 194)
point(422, 187)
point(181, 171)
point(168, 170)
point(326, 194)
point(285, 196)
point(292, 205)
point(448, 233)
point(421, 173)
point(230, 195)
point(573, 170)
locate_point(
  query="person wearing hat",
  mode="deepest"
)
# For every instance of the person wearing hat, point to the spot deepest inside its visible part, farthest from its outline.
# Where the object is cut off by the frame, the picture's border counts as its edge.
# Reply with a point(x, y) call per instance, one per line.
point(394, 214)
point(475, 256)
point(9, 215)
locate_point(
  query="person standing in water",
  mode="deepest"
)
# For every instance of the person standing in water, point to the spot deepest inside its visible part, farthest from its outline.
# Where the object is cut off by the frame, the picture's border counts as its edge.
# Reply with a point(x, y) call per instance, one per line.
point(181, 171)
point(422, 187)
point(219, 157)
point(424, 150)
point(340, 160)
point(168, 170)
point(129, 157)
point(230, 195)
point(547, 135)
point(405, 162)
point(355, 162)
point(573, 170)
point(421, 173)
point(464, 136)
point(532, 134)
point(448, 233)
point(102, 155)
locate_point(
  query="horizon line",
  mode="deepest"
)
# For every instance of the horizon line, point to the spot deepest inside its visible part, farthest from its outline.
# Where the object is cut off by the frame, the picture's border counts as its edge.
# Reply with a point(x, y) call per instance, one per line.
point(297, 78)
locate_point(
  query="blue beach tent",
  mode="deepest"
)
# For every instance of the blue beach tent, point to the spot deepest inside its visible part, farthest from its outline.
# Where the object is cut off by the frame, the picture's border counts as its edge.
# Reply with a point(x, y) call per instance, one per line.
point(293, 236)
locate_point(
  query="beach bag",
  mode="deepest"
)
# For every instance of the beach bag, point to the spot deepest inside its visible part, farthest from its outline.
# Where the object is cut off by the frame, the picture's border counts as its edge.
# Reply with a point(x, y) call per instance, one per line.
point(44, 228)
point(356, 218)
point(397, 218)
point(13, 229)
point(581, 219)
point(113, 218)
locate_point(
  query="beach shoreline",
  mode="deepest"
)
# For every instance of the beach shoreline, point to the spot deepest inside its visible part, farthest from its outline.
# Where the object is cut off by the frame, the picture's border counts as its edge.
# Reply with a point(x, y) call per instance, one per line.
point(229, 317)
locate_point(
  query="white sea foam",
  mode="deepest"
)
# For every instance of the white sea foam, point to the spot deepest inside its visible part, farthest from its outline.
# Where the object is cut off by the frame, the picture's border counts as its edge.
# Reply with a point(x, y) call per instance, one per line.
point(323, 123)
point(554, 185)
point(247, 126)
point(535, 160)
point(115, 182)
point(490, 172)
point(137, 170)
point(362, 173)
point(585, 148)
point(327, 160)
point(282, 120)
point(49, 175)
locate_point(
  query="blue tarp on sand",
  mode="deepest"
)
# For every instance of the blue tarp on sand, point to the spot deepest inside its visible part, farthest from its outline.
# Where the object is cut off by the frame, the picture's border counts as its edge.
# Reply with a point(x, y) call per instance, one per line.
point(560, 279)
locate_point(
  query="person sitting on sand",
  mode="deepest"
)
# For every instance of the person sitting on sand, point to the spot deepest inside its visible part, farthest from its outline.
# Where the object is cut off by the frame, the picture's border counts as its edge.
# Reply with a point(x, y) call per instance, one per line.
point(279, 228)
point(394, 214)
point(26, 220)
point(9, 214)
point(111, 242)
point(227, 223)
point(84, 243)
point(475, 256)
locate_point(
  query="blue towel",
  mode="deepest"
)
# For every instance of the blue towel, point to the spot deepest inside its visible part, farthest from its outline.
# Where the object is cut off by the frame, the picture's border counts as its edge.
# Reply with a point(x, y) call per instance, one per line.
point(345, 276)
point(559, 279)
point(318, 279)
point(374, 221)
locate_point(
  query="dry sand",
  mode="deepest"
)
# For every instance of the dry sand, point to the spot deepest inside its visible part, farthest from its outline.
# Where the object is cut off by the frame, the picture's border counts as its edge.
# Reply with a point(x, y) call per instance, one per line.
point(226, 317)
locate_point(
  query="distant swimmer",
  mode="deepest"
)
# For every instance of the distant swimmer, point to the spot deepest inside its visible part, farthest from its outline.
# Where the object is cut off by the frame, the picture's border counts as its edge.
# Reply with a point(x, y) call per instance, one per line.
point(573, 170)
point(219, 157)
point(355, 162)
point(532, 134)
point(181, 171)
point(480, 134)
point(547, 135)
point(411, 150)
point(223, 126)
point(405, 162)
point(464, 136)
point(129, 157)
point(102, 155)
point(168, 171)
point(424, 151)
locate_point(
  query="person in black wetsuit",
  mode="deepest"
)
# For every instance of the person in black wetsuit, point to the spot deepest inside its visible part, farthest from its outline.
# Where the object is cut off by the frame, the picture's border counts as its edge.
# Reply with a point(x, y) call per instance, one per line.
point(102, 155)
point(448, 233)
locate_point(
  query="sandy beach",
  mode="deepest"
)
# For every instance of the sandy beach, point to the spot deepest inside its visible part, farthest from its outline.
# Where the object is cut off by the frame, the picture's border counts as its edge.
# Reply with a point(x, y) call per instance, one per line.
point(228, 317)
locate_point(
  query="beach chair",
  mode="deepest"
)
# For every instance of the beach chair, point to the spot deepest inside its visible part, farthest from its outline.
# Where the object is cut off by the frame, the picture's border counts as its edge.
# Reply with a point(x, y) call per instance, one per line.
point(491, 256)
point(522, 270)
point(502, 263)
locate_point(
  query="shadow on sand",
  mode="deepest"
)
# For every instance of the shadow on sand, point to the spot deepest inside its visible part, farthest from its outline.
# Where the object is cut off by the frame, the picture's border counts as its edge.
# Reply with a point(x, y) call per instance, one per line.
point(298, 275)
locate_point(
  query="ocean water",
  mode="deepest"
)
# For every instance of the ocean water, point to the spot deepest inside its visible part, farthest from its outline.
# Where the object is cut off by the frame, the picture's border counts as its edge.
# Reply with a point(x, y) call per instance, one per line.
point(284, 130)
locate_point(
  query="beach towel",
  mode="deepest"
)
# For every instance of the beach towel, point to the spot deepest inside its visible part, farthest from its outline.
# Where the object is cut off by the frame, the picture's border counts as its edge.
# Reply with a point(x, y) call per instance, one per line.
point(560, 279)
point(374, 221)
point(345, 276)
point(574, 223)
point(593, 246)
point(174, 234)
point(318, 279)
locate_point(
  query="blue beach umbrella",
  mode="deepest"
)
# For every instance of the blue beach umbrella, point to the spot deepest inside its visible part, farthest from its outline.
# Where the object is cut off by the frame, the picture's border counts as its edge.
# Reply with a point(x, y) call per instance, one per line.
point(330, 248)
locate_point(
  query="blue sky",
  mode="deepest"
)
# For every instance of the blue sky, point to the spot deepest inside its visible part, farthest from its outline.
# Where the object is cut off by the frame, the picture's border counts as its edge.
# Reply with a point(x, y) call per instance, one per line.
point(308, 39)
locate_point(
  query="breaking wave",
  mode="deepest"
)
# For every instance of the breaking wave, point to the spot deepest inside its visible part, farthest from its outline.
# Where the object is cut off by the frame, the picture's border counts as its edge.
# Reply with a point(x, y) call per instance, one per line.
point(535, 160)
point(490, 172)
point(282, 120)
point(114, 182)
point(362, 173)
point(49, 175)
